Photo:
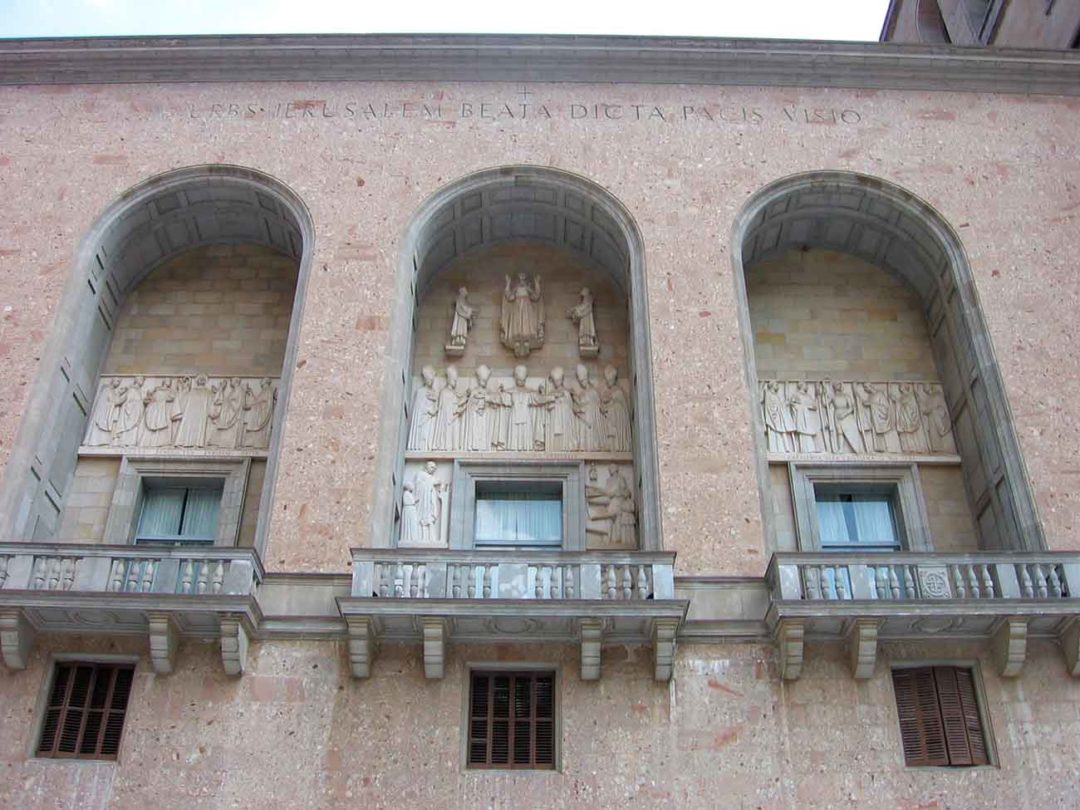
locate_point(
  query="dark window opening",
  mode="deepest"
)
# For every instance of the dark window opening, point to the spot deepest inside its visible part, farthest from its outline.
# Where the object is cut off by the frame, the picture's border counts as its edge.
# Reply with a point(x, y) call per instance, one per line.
point(84, 718)
point(512, 720)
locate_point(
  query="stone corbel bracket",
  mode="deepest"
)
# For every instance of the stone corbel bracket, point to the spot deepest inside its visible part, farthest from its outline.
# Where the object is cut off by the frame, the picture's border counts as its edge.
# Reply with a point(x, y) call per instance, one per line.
point(862, 647)
point(434, 633)
point(1008, 646)
point(234, 644)
point(592, 636)
point(789, 647)
point(362, 646)
point(163, 642)
point(16, 638)
point(665, 631)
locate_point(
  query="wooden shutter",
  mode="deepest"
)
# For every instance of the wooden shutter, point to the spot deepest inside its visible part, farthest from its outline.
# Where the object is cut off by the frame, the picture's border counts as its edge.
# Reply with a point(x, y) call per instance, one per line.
point(512, 720)
point(939, 716)
point(85, 714)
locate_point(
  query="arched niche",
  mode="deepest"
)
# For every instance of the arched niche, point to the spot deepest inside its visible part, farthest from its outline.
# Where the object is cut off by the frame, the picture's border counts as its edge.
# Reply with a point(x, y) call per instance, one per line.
point(518, 204)
point(148, 226)
point(892, 229)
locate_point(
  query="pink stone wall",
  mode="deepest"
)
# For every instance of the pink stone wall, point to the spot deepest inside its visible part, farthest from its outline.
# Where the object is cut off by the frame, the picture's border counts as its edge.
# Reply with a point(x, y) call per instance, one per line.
point(1002, 170)
point(298, 731)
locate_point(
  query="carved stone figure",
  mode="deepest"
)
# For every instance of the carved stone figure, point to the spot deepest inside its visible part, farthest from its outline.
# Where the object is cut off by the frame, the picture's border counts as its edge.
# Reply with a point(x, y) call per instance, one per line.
point(807, 419)
point(106, 411)
point(446, 432)
point(539, 404)
point(616, 412)
point(938, 423)
point(561, 435)
point(477, 434)
point(909, 424)
point(845, 422)
point(591, 428)
point(459, 327)
point(258, 414)
point(779, 427)
point(157, 418)
point(521, 328)
point(614, 502)
point(882, 420)
point(424, 407)
point(176, 413)
point(501, 403)
point(429, 504)
point(129, 417)
point(520, 435)
point(410, 518)
point(196, 413)
point(226, 412)
point(582, 316)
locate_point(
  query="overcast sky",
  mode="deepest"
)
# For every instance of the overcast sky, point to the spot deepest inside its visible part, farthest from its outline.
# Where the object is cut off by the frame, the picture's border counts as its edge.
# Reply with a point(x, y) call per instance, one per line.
point(789, 19)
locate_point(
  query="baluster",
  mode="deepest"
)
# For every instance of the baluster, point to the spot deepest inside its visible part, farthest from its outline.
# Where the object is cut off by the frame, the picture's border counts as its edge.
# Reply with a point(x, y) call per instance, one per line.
point(149, 569)
point(472, 581)
point(413, 578)
point(894, 582)
point(973, 581)
point(116, 576)
point(881, 582)
point(610, 577)
point(1040, 583)
point(487, 580)
point(627, 583)
point(53, 580)
point(909, 583)
point(958, 582)
point(1025, 581)
point(422, 578)
point(812, 576)
point(840, 573)
point(134, 576)
point(37, 579)
point(828, 582)
point(203, 578)
point(383, 577)
point(557, 582)
point(399, 586)
point(1055, 582)
point(187, 576)
point(987, 581)
point(568, 588)
point(3, 570)
point(642, 583)
point(218, 580)
point(67, 574)
point(538, 583)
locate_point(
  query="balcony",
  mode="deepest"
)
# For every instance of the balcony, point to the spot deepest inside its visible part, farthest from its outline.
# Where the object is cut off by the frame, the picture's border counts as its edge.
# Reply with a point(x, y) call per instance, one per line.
point(163, 593)
point(437, 597)
point(862, 599)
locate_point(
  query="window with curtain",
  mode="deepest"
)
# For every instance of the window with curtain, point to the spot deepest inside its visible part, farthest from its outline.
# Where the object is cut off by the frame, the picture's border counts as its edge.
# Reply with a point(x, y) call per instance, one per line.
point(857, 521)
point(528, 516)
point(179, 514)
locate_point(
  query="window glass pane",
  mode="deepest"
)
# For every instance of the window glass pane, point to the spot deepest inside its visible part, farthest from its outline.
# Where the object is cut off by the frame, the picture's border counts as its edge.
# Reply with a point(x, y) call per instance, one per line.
point(161, 512)
point(522, 518)
point(201, 514)
point(856, 520)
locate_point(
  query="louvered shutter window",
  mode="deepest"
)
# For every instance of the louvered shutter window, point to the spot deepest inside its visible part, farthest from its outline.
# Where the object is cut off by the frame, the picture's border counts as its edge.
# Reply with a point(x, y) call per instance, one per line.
point(940, 722)
point(512, 720)
point(85, 715)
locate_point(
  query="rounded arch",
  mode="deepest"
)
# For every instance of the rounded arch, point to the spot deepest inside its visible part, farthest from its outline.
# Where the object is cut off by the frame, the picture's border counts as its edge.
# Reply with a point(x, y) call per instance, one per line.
point(509, 203)
point(142, 229)
point(892, 228)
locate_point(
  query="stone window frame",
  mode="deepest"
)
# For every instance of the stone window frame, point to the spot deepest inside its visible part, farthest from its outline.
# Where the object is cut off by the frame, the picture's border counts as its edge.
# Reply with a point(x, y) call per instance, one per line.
point(466, 475)
point(470, 667)
point(973, 664)
point(912, 524)
point(126, 506)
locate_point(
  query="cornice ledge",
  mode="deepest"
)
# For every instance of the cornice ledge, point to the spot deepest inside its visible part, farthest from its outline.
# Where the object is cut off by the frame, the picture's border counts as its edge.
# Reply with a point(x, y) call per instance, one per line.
point(506, 58)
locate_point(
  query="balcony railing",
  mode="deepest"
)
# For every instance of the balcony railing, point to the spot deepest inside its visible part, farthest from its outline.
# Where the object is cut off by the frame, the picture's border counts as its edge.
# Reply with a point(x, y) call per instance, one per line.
point(438, 596)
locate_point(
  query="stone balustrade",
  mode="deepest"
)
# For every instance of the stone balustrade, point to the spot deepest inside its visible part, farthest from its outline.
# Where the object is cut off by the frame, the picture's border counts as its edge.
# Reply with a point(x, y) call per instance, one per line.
point(907, 576)
point(510, 574)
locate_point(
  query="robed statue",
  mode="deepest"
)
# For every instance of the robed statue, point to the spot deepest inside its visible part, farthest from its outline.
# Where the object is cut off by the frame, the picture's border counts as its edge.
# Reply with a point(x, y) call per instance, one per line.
point(521, 328)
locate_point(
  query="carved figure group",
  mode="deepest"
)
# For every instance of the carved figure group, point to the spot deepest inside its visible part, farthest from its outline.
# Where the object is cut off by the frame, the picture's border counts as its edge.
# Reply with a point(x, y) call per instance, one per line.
point(613, 504)
point(485, 414)
point(182, 412)
point(423, 507)
point(856, 417)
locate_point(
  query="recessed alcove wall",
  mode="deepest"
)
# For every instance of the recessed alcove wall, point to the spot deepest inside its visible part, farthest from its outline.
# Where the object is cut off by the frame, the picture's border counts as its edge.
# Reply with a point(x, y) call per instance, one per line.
point(218, 310)
point(822, 314)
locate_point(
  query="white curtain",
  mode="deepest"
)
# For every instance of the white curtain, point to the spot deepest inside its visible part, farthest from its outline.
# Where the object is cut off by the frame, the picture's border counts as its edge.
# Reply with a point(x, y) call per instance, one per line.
point(201, 514)
point(519, 519)
point(178, 514)
point(856, 520)
point(161, 513)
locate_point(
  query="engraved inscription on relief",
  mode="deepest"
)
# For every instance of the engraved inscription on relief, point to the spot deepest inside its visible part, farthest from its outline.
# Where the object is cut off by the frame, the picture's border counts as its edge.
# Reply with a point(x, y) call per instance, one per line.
point(520, 413)
point(855, 418)
point(184, 412)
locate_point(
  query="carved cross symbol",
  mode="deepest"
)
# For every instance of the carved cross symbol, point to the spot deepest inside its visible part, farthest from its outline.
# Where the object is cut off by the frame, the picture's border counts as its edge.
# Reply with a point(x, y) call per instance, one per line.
point(525, 93)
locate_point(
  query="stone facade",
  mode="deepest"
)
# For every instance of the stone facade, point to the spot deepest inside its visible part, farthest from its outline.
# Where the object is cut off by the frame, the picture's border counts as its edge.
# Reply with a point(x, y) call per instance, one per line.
point(311, 657)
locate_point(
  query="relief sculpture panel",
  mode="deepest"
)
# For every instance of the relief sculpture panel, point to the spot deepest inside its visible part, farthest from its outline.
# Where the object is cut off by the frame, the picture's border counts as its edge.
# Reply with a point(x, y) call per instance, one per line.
point(846, 418)
point(188, 412)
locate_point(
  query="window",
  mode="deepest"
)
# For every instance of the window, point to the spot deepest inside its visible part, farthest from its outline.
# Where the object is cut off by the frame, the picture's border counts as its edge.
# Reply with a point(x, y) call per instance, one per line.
point(856, 521)
point(512, 720)
point(940, 721)
point(84, 718)
point(179, 514)
point(519, 515)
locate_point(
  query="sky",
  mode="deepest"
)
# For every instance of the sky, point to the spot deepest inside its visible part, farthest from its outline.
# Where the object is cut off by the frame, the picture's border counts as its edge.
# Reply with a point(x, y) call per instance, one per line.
point(787, 19)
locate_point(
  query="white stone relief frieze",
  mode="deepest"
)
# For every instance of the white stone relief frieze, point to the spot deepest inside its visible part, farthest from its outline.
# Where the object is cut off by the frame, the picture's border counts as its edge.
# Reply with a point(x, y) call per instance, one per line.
point(182, 412)
point(612, 513)
point(425, 501)
point(521, 327)
point(519, 413)
point(855, 418)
